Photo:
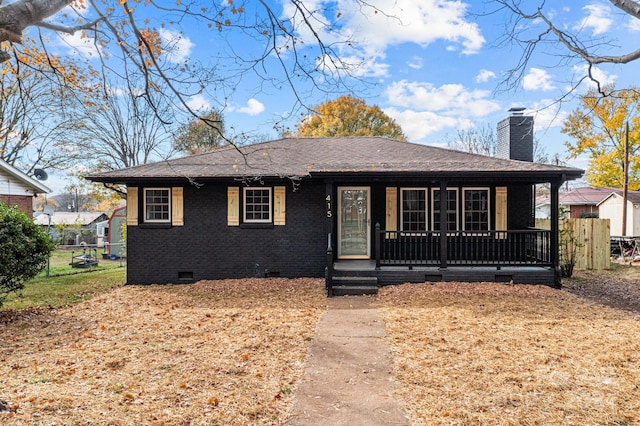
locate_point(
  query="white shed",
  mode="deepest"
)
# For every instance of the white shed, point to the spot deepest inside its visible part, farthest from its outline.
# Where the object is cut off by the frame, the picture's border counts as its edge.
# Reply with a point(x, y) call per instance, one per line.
point(611, 208)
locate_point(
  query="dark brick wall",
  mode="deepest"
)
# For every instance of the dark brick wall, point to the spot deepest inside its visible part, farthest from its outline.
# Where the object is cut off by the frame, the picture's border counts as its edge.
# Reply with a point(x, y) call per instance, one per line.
point(520, 207)
point(515, 138)
point(24, 202)
point(206, 248)
point(515, 142)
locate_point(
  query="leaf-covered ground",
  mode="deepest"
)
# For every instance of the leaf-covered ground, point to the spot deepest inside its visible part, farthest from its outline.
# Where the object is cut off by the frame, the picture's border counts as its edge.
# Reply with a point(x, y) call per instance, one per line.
point(216, 352)
point(231, 353)
point(496, 354)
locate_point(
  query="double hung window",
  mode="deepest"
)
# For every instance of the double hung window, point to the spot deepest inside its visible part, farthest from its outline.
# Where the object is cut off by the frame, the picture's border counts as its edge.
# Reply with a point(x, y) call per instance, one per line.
point(257, 205)
point(414, 209)
point(451, 207)
point(157, 205)
point(476, 209)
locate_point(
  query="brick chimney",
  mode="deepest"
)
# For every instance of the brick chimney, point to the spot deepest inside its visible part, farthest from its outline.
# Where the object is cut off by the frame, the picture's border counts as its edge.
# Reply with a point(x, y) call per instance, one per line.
point(515, 136)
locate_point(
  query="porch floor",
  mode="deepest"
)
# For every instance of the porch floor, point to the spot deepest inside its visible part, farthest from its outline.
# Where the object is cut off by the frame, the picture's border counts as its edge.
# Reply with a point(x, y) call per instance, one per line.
point(418, 274)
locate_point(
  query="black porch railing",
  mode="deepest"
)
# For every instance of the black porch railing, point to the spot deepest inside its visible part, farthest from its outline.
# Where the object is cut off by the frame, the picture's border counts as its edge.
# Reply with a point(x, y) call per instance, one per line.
point(465, 248)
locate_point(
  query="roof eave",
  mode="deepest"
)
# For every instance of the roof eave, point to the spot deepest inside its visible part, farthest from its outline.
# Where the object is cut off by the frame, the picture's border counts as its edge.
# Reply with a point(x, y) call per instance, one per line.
point(38, 187)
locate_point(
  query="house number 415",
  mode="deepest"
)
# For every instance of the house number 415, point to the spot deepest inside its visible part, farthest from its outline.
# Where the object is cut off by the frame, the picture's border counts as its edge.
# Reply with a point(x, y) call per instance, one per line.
point(328, 200)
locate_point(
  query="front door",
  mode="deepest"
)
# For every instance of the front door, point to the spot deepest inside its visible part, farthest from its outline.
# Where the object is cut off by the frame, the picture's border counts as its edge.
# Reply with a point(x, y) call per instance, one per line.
point(354, 230)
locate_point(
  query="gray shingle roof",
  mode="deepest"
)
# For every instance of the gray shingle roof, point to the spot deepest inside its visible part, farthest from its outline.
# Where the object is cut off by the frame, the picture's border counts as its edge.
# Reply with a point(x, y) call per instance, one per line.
point(302, 157)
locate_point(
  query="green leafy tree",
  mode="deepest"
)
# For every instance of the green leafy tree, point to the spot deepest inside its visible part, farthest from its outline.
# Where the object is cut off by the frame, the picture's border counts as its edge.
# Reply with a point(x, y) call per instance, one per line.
point(206, 133)
point(597, 127)
point(24, 250)
point(349, 116)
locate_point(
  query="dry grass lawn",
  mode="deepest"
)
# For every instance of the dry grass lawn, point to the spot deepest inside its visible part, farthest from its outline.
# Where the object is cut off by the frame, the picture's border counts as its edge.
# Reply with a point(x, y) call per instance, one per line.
point(495, 354)
point(213, 353)
point(231, 353)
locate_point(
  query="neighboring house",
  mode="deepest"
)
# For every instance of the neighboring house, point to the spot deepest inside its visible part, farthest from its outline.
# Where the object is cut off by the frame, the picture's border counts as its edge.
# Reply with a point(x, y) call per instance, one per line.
point(72, 228)
point(359, 211)
point(18, 189)
point(612, 207)
point(577, 203)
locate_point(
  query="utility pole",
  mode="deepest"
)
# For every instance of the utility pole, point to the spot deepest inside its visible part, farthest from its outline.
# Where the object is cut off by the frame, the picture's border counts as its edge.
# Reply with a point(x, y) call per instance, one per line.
point(625, 184)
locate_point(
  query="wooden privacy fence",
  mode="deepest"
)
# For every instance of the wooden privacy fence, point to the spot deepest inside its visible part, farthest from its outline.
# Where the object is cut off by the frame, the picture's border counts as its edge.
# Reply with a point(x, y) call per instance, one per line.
point(592, 240)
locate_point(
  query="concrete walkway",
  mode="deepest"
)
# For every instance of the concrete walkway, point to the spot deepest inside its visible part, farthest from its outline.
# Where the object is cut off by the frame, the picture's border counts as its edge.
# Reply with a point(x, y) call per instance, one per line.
point(348, 378)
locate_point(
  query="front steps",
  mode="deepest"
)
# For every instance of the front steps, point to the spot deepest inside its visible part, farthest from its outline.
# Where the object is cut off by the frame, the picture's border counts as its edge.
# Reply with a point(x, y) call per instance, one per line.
point(352, 285)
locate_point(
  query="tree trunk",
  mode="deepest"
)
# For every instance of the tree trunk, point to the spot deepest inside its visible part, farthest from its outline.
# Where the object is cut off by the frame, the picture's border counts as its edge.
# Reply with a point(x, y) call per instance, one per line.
point(16, 16)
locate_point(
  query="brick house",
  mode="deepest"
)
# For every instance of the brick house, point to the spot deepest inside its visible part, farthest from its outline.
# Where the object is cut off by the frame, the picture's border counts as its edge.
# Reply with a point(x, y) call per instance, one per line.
point(359, 211)
point(18, 189)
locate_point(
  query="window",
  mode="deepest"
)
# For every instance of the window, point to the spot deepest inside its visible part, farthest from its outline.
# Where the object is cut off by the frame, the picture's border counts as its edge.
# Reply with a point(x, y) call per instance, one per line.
point(257, 205)
point(476, 209)
point(452, 209)
point(414, 210)
point(157, 205)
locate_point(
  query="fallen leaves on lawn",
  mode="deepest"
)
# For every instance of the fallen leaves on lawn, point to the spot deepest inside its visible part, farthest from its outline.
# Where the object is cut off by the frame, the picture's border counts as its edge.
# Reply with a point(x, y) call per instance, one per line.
point(214, 352)
point(487, 353)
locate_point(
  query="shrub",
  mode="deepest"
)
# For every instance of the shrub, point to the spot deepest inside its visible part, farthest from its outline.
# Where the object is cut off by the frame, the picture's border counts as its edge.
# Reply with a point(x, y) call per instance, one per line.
point(24, 250)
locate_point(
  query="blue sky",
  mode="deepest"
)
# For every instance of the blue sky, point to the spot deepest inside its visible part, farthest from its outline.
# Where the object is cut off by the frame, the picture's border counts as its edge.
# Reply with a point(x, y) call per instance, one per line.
point(435, 66)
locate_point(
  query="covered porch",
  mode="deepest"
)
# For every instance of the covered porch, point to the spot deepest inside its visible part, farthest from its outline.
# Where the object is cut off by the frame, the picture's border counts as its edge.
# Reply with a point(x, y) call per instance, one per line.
point(417, 257)
point(504, 247)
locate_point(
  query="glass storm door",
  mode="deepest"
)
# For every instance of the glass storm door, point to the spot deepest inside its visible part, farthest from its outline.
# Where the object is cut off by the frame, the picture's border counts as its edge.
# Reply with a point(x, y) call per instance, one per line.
point(354, 236)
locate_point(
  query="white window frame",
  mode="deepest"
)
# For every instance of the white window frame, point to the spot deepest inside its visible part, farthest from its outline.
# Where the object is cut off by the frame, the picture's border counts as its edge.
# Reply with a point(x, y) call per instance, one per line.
point(146, 205)
point(426, 208)
point(464, 208)
point(433, 209)
point(245, 190)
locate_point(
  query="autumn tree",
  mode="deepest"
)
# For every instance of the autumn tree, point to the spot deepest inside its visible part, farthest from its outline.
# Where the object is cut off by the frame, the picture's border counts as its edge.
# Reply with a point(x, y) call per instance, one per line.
point(37, 107)
point(202, 134)
point(598, 129)
point(146, 36)
point(348, 116)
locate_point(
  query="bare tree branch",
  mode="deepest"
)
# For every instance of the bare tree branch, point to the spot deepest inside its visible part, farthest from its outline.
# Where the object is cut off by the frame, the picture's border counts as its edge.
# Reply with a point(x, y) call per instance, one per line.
point(520, 30)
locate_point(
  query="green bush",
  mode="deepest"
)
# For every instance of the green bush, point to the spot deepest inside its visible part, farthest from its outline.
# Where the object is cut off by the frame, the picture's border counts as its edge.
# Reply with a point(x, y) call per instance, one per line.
point(24, 250)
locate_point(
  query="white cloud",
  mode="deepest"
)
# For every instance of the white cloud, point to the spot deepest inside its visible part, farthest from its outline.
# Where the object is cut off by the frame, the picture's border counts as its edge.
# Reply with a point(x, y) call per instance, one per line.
point(419, 124)
point(547, 113)
point(484, 76)
point(422, 109)
point(633, 24)
point(176, 46)
point(84, 46)
point(198, 103)
point(421, 22)
point(415, 63)
point(598, 18)
point(254, 107)
point(537, 79)
point(76, 42)
point(598, 74)
point(393, 24)
point(454, 99)
point(356, 66)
